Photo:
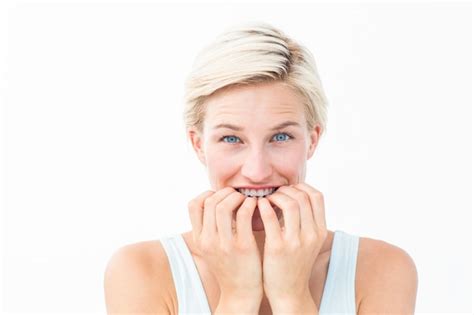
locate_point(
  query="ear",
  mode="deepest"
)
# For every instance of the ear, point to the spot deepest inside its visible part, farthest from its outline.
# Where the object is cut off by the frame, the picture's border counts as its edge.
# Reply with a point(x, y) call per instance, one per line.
point(197, 142)
point(314, 140)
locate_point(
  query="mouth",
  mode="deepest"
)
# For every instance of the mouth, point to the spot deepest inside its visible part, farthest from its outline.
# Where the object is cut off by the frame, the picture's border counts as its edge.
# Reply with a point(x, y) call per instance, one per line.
point(257, 224)
point(257, 192)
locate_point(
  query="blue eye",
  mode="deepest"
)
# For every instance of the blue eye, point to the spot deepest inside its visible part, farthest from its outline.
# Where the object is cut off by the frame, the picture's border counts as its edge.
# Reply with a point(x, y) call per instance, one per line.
point(280, 137)
point(232, 139)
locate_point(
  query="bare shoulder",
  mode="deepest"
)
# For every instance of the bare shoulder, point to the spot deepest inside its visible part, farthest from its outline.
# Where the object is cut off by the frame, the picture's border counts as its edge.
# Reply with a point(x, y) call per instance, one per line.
point(137, 279)
point(387, 278)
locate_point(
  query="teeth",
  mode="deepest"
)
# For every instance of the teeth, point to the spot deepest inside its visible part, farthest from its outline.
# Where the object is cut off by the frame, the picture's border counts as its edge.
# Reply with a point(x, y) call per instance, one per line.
point(258, 192)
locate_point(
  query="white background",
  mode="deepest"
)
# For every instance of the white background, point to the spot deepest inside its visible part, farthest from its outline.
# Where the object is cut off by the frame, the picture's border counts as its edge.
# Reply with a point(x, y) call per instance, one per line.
point(95, 155)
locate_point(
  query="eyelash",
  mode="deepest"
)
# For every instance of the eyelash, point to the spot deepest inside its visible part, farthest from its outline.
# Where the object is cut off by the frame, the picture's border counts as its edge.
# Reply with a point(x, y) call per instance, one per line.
point(280, 133)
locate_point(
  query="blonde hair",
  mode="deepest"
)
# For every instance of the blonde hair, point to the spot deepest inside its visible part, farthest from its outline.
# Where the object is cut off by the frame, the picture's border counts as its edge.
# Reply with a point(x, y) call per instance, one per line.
point(254, 53)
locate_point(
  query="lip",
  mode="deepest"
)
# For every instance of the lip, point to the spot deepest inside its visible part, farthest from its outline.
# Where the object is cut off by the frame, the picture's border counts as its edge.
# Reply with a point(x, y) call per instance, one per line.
point(257, 187)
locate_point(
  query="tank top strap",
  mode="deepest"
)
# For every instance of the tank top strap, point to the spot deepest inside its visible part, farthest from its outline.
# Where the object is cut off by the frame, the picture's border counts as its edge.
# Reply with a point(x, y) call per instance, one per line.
point(339, 289)
point(189, 289)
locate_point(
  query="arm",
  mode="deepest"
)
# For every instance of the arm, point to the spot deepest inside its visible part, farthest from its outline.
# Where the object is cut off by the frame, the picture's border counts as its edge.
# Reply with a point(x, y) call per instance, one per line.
point(392, 284)
point(133, 286)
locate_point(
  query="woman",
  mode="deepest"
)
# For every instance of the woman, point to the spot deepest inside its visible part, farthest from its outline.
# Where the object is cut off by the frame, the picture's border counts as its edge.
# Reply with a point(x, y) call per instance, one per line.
point(255, 111)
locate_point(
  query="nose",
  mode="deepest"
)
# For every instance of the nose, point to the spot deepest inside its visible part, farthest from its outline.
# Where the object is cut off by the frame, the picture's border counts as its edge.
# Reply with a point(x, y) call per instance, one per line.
point(257, 167)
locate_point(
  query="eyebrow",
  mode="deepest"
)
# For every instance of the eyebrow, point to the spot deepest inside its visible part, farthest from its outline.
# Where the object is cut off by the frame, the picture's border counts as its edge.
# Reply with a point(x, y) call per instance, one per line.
point(237, 128)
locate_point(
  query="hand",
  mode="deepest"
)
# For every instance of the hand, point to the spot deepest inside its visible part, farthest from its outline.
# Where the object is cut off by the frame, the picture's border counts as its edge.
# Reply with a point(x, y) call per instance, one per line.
point(290, 252)
point(233, 256)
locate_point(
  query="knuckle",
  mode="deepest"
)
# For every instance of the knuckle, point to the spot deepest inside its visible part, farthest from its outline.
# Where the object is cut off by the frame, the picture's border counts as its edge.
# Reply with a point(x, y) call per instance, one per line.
point(318, 195)
point(226, 248)
point(276, 248)
point(301, 196)
point(242, 246)
point(293, 244)
point(312, 237)
point(304, 186)
point(196, 202)
point(205, 245)
point(228, 203)
point(221, 206)
point(209, 202)
point(292, 204)
point(311, 190)
point(323, 233)
point(207, 248)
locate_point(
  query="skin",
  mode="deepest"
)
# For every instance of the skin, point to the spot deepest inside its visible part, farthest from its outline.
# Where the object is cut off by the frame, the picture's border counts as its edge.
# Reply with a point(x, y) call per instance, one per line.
point(241, 265)
point(266, 246)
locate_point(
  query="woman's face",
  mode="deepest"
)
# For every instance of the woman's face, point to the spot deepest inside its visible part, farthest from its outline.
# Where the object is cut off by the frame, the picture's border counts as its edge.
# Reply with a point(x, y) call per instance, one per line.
point(255, 136)
point(242, 143)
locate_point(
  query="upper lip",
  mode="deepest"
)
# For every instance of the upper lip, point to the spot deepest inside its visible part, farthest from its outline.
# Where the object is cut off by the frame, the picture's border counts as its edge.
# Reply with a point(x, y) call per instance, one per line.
point(256, 187)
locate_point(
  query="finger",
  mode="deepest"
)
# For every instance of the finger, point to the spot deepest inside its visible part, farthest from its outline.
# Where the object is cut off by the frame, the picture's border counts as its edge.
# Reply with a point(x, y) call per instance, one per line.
point(269, 219)
point(209, 222)
point(196, 209)
point(244, 219)
point(306, 212)
point(224, 211)
point(317, 204)
point(290, 209)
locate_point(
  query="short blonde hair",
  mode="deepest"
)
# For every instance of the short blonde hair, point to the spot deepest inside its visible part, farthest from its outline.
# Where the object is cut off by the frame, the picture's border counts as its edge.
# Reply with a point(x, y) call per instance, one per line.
point(253, 53)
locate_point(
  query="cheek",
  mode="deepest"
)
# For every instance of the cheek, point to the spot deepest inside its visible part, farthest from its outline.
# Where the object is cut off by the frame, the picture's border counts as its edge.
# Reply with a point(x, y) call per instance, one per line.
point(288, 168)
point(290, 165)
point(293, 157)
point(221, 163)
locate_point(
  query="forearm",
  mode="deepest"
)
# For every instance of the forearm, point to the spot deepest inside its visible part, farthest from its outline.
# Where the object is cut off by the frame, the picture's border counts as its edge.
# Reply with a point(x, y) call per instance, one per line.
point(303, 304)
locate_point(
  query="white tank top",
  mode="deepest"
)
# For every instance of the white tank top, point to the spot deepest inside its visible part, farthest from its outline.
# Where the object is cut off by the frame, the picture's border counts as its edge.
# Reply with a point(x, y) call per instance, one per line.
point(339, 288)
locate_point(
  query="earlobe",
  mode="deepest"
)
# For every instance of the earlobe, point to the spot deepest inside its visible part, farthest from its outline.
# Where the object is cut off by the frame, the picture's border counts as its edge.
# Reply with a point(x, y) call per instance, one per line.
point(311, 150)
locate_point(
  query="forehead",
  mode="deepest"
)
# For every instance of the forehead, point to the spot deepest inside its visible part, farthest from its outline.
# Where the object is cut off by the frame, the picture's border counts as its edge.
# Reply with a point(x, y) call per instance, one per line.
point(273, 100)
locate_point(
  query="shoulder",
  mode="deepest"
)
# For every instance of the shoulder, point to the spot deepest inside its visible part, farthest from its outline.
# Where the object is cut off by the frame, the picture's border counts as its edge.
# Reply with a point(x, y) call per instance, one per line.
point(137, 279)
point(388, 278)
